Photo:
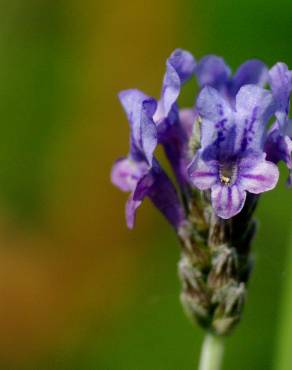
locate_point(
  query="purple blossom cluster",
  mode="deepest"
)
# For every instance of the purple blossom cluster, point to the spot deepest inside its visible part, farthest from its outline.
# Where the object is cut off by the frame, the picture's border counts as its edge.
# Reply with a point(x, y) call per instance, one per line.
point(244, 131)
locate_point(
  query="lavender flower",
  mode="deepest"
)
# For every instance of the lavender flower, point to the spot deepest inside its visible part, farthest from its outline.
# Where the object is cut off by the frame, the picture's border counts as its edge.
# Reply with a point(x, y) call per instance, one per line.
point(279, 142)
point(153, 121)
point(213, 71)
point(223, 156)
point(231, 160)
point(172, 134)
point(140, 173)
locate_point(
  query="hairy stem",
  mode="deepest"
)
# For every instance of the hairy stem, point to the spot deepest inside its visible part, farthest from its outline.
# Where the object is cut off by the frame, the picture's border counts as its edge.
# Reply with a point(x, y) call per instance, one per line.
point(212, 353)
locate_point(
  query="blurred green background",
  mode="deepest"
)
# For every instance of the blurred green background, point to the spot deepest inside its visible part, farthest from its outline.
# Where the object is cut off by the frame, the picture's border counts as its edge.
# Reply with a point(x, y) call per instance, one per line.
point(78, 290)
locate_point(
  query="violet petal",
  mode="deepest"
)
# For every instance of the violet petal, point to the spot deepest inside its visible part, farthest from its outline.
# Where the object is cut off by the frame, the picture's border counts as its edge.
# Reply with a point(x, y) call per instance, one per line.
point(212, 71)
point(158, 187)
point(254, 107)
point(126, 173)
point(131, 207)
point(251, 72)
point(203, 175)
point(227, 201)
point(257, 175)
point(140, 110)
point(216, 115)
point(281, 85)
point(180, 67)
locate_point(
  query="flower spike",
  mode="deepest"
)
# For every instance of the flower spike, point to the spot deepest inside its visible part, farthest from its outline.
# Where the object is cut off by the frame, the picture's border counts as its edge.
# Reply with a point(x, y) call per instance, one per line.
point(223, 156)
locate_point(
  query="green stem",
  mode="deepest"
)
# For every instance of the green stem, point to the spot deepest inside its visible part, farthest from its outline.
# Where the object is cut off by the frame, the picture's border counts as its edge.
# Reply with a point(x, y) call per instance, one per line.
point(212, 353)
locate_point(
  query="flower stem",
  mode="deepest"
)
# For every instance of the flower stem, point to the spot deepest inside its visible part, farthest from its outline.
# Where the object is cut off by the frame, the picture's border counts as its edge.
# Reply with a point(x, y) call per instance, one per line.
point(212, 353)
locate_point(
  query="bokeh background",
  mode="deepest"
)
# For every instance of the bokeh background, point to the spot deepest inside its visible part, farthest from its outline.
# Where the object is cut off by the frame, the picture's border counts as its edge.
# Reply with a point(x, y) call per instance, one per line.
point(77, 289)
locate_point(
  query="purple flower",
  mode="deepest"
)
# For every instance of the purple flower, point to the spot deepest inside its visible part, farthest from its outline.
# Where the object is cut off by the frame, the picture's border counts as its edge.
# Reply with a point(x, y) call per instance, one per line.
point(213, 71)
point(279, 142)
point(236, 153)
point(280, 79)
point(231, 160)
point(139, 173)
point(180, 67)
point(172, 134)
point(151, 122)
point(223, 156)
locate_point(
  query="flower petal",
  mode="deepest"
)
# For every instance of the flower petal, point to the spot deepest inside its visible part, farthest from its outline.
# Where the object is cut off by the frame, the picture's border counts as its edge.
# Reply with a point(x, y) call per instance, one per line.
point(164, 196)
point(148, 130)
point(158, 187)
point(251, 72)
point(212, 71)
point(140, 110)
point(184, 64)
point(143, 186)
point(254, 107)
point(216, 115)
point(227, 201)
point(126, 173)
point(289, 161)
point(203, 175)
point(281, 85)
point(257, 175)
point(180, 67)
point(278, 147)
point(131, 101)
point(288, 129)
point(131, 207)
point(288, 142)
